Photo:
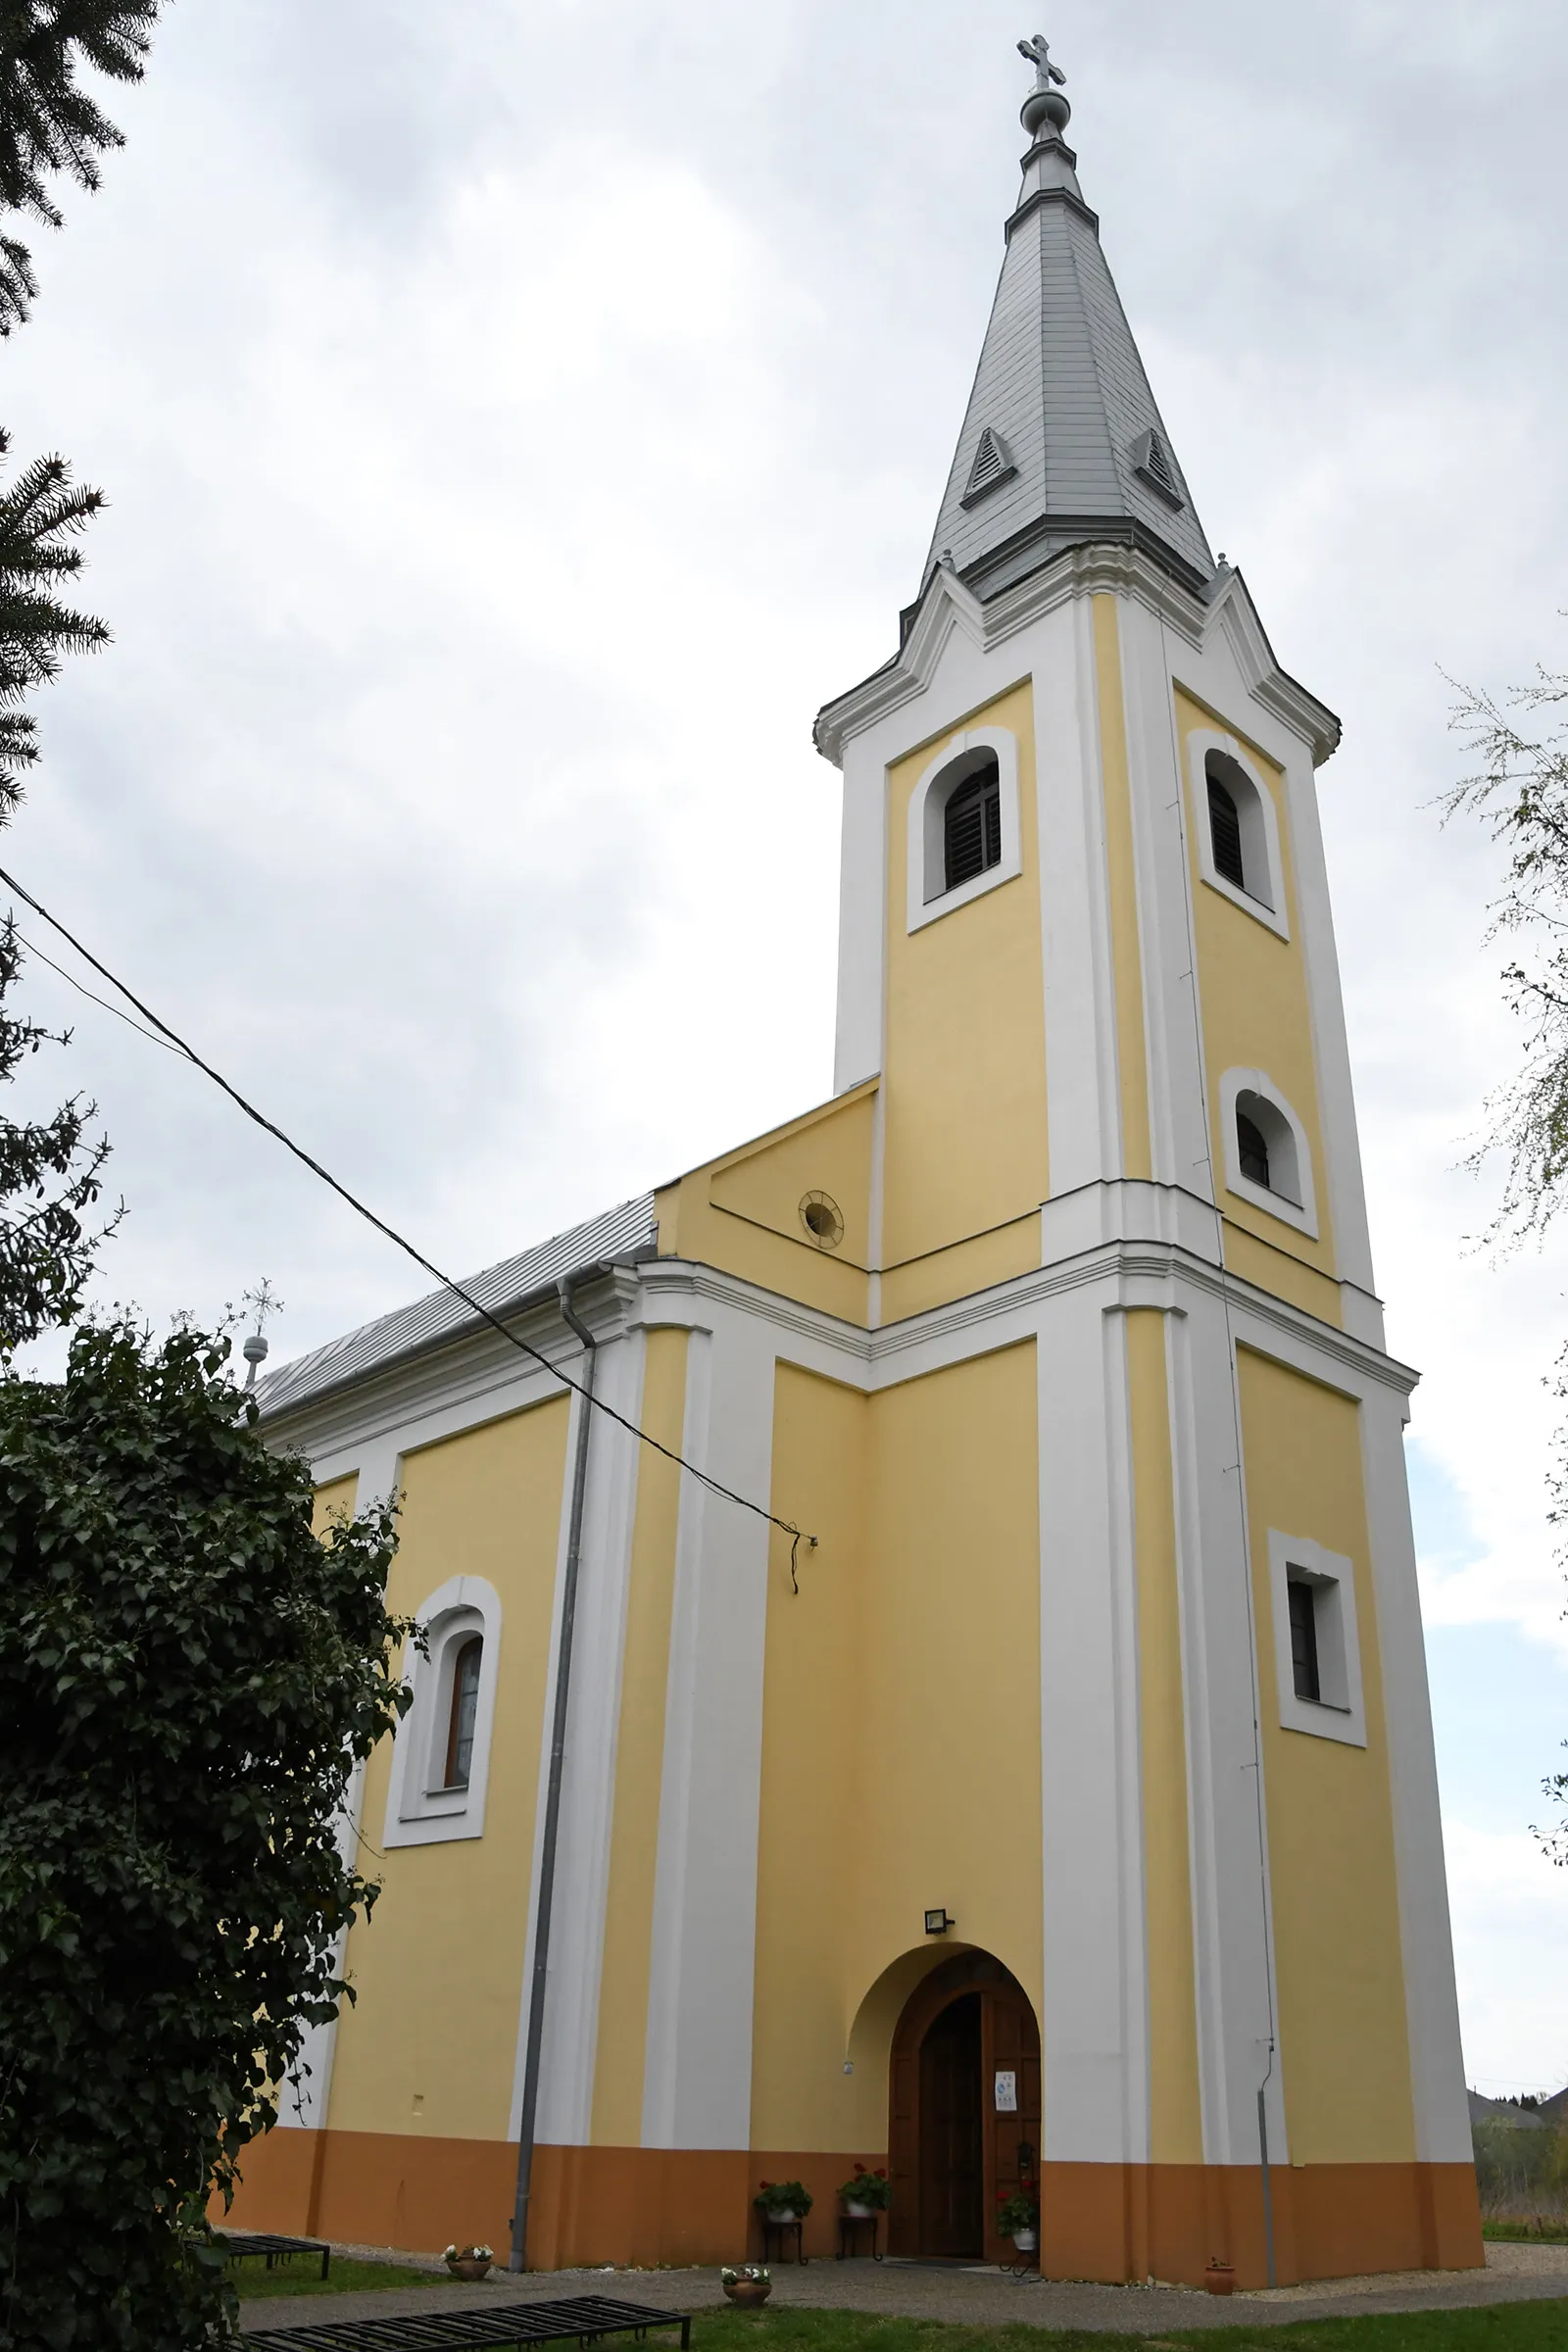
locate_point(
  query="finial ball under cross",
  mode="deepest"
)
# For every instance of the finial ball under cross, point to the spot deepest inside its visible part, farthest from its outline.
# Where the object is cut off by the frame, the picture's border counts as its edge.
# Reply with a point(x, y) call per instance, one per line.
point(1038, 52)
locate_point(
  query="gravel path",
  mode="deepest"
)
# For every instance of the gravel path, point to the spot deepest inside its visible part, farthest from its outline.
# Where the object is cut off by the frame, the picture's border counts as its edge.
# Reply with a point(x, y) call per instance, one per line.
point(977, 2297)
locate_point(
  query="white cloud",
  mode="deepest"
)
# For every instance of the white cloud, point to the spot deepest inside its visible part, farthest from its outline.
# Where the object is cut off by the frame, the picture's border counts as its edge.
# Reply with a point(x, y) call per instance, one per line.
point(1511, 1909)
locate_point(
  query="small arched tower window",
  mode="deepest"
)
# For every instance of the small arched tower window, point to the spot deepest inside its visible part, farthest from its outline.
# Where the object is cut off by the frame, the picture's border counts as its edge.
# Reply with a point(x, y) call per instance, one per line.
point(972, 825)
point(464, 1712)
point(1225, 832)
point(1266, 1147)
point(1251, 1151)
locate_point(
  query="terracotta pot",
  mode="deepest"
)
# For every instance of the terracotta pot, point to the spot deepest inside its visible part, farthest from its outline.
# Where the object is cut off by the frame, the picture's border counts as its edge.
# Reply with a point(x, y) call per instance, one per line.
point(1220, 2279)
point(748, 2293)
point(470, 2266)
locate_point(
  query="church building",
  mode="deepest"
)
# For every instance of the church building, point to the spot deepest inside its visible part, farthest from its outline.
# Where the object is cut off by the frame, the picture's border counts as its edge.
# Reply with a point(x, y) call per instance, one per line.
point(1057, 1813)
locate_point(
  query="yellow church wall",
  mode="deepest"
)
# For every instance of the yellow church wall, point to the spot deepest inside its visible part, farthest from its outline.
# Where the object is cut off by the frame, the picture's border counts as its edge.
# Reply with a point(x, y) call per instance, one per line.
point(411, 2058)
point(1176, 2128)
point(621, 2046)
point(1338, 1959)
point(1132, 1052)
point(742, 1212)
point(333, 1501)
point(900, 1723)
point(965, 1079)
point(1256, 1014)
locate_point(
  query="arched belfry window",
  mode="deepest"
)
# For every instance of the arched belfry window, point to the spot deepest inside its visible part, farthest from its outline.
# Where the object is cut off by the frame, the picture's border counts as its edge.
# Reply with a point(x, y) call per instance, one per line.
point(1225, 828)
point(964, 832)
point(1251, 1149)
point(1268, 1159)
point(463, 1711)
point(971, 825)
point(1237, 827)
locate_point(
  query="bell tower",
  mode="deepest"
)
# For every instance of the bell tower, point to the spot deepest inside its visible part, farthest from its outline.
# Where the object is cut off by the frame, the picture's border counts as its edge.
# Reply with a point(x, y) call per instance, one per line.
point(1086, 955)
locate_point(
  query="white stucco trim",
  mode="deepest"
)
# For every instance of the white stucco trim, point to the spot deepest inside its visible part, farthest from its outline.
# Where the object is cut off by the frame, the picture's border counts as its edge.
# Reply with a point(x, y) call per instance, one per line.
point(418, 1811)
point(1340, 1713)
point(1302, 1213)
point(927, 898)
point(1261, 831)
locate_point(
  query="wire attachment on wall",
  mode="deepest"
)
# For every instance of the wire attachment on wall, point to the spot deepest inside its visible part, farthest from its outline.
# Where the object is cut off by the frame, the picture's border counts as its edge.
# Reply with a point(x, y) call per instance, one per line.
point(795, 1541)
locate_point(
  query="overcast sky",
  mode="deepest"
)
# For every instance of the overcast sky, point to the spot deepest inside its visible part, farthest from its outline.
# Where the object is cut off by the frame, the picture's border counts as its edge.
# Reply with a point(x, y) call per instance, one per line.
point(519, 416)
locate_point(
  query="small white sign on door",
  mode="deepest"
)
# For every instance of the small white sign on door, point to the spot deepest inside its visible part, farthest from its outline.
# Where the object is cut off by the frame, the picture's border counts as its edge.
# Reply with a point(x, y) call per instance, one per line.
point(1006, 2092)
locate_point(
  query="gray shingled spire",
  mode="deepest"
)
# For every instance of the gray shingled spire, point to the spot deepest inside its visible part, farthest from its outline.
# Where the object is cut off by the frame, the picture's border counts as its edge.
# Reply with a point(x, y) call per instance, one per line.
point(1063, 442)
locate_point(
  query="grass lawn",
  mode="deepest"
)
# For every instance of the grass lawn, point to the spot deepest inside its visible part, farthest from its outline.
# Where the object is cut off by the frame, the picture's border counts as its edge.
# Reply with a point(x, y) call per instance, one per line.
point(1497, 2328)
point(303, 2276)
point(1556, 2233)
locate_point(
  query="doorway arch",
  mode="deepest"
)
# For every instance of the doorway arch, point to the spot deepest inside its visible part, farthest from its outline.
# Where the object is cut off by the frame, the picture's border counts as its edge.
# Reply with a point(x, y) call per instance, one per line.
point(952, 2149)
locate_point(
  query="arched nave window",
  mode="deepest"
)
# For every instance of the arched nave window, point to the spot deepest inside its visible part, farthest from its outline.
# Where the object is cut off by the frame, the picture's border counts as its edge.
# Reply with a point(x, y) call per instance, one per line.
point(465, 1671)
point(441, 1751)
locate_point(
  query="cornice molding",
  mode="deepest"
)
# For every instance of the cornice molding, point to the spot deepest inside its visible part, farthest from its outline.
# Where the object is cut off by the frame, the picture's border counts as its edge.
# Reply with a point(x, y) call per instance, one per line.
point(1089, 569)
point(479, 1372)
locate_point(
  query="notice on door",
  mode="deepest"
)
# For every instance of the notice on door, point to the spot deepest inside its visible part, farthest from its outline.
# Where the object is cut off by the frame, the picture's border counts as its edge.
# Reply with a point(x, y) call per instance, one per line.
point(1006, 2092)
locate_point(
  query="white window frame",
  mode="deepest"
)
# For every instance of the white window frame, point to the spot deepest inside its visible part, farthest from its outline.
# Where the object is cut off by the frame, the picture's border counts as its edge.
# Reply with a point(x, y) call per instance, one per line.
point(418, 1810)
point(928, 894)
point(1302, 1213)
point(1260, 830)
point(1340, 1713)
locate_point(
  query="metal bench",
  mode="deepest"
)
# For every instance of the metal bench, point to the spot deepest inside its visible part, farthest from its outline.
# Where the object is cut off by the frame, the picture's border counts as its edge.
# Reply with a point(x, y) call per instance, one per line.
point(239, 2243)
point(583, 2320)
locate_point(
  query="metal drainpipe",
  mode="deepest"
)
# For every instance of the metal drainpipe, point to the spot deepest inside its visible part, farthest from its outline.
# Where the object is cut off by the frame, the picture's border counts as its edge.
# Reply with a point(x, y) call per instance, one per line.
point(518, 2259)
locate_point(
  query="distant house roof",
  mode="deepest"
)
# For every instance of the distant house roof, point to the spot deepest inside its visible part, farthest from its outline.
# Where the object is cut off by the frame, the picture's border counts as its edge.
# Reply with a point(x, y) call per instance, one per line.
point(1519, 2118)
point(626, 1231)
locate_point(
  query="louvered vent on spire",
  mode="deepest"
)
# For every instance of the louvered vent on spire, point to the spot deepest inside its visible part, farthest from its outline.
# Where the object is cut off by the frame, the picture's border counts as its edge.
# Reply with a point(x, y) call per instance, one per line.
point(1150, 459)
point(993, 465)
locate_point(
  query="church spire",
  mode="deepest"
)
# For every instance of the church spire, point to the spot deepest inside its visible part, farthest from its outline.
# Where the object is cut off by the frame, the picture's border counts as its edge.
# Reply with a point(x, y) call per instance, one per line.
point(1063, 442)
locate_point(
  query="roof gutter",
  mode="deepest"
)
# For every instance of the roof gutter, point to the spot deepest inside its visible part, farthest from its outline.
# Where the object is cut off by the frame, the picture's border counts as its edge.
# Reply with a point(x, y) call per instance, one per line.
point(518, 2259)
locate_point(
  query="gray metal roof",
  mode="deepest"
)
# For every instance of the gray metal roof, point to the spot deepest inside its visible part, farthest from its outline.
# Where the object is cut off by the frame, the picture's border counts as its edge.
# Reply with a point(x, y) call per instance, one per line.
point(1061, 384)
point(619, 1233)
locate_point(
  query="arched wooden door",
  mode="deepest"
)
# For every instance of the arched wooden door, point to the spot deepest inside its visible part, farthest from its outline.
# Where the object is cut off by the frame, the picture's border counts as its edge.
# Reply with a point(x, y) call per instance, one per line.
point(966, 2042)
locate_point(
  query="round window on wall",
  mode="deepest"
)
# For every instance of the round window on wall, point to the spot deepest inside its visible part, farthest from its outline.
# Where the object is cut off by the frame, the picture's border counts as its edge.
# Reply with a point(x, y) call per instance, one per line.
point(823, 1219)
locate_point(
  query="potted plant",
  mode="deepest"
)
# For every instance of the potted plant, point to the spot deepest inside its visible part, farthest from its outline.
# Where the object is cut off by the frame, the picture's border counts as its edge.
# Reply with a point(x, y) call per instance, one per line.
point(469, 2262)
point(784, 2200)
point(1018, 2217)
point(1220, 2276)
point(749, 2285)
point(867, 2194)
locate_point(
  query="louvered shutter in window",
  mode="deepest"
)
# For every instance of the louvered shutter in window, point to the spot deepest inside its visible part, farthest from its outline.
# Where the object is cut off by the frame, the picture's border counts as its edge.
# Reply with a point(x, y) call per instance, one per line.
point(973, 826)
point(1225, 833)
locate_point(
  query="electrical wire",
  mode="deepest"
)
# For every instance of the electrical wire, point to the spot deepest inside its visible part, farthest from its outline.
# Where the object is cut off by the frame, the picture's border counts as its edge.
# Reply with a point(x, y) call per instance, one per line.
point(33, 948)
point(179, 1044)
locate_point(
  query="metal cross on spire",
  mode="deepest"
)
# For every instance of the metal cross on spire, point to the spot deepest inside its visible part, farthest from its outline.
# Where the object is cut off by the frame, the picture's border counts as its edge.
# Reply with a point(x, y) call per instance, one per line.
point(1038, 52)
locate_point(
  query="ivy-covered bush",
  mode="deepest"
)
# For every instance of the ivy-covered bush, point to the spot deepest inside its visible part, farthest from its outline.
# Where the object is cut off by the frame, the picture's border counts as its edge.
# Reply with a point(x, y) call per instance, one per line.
point(187, 1680)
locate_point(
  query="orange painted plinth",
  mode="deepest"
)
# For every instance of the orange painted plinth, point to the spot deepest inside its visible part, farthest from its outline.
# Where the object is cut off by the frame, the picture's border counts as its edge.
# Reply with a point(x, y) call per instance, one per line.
point(693, 2205)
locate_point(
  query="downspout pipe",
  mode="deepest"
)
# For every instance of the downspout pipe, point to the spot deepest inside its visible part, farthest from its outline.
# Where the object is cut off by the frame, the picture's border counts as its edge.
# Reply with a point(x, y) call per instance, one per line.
point(518, 2259)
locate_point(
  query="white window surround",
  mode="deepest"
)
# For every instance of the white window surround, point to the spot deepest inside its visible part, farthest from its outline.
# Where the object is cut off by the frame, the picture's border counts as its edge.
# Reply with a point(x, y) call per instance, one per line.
point(419, 1811)
point(1289, 1151)
point(1261, 829)
point(1340, 1713)
point(958, 759)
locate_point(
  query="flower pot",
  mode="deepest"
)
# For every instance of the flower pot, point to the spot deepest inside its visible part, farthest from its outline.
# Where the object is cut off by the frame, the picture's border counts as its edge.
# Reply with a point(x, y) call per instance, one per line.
point(1220, 2279)
point(782, 2213)
point(748, 2293)
point(470, 2266)
point(1026, 2241)
point(858, 2212)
